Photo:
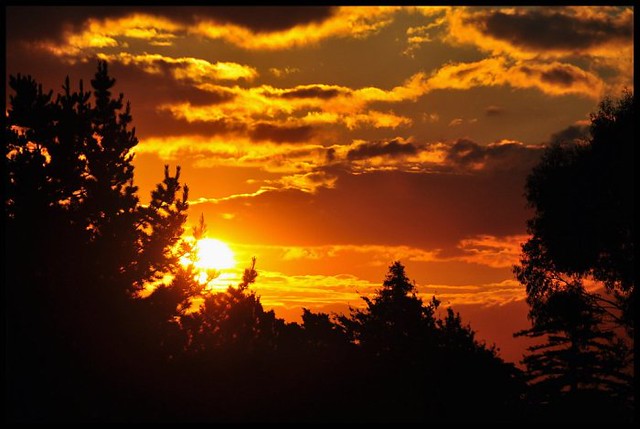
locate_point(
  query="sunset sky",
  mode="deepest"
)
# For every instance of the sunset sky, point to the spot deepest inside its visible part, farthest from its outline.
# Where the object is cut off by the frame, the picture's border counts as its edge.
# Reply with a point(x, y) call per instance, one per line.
point(330, 141)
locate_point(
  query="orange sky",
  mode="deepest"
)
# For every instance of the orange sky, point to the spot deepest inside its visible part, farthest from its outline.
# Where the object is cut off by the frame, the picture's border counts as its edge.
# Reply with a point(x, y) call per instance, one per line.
point(329, 142)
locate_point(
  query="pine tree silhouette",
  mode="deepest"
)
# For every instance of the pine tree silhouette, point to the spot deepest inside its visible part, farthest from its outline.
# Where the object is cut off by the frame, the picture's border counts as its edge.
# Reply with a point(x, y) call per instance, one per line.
point(436, 363)
point(78, 247)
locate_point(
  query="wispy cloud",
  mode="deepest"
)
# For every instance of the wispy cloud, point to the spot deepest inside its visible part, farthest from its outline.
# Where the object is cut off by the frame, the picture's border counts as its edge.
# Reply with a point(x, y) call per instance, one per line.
point(487, 250)
point(191, 69)
point(309, 166)
point(315, 291)
point(487, 295)
point(553, 78)
point(97, 34)
point(284, 71)
point(220, 151)
point(315, 104)
point(346, 21)
point(491, 251)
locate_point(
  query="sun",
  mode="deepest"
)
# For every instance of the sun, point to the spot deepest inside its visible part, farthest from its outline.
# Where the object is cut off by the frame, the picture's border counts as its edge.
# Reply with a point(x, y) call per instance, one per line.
point(213, 254)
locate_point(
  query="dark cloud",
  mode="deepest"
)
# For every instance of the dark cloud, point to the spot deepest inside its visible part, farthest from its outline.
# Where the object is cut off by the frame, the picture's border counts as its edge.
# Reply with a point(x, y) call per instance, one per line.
point(265, 18)
point(49, 22)
point(162, 87)
point(461, 74)
point(154, 123)
point(493, 111)
point(465, 151)
point(562, 76)
point(503, 156)
point(331, 155)
point(544, 29)
point(371, 149)
point(434, 210)
point(281, 134)
point(570, 134)
point(148, 91)
point(311, 92)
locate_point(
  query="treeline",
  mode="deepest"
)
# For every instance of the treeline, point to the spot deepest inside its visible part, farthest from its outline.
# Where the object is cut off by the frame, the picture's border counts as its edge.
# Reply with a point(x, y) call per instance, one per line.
point(83, 344)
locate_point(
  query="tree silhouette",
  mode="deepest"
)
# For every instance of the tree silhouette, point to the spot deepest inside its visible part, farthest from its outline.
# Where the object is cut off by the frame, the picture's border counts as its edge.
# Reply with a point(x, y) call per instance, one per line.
point(233, 320)
point(395, 320)
point(436, 363)
point(582, 194)
point(79, 245)
point(322, 334)
point(580, 363)
point(582, 232)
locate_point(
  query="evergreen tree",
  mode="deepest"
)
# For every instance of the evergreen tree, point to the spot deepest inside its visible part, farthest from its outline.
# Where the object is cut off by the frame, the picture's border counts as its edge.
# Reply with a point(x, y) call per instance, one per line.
point(234, 320)
point(579, 364)
point(582, 231)
point(395, 320)
point(437, 364)
point(79, 245)
point(578, 353)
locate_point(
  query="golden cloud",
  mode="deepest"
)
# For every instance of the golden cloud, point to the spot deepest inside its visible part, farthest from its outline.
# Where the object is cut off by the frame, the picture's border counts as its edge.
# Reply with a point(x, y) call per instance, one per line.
point(551, 78)
point(376, 119)
point(377, 255)
point(101, 33)
point(227, 216)
point(278, 289)
point(347, 21)
point(487, 250)
point(419, 35)
point(306, 182)
point(604, 34)
point(281, 72)
point(601, 34)
point(495, 252)
point(241, 151)
point(185, 68)
point(310, 165)
point(323, 104)
point(303, 104)
point(491, 294)
point(97, 34)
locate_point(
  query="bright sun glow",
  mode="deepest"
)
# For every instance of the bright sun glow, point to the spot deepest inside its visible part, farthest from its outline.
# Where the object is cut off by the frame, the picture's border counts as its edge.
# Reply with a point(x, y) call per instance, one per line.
point(213, 254)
